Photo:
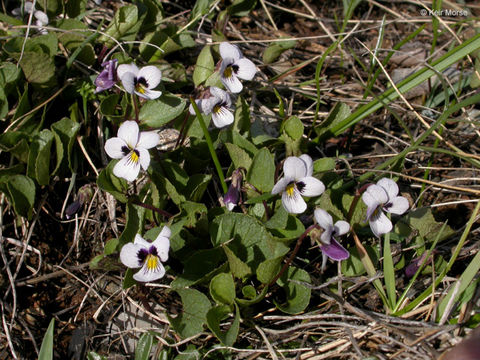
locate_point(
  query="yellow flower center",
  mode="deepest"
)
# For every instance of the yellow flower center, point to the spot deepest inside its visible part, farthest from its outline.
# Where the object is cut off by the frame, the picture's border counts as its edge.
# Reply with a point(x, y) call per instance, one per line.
point(228, 72)
point(134, 156)
point(290, 189)
point(152, 262)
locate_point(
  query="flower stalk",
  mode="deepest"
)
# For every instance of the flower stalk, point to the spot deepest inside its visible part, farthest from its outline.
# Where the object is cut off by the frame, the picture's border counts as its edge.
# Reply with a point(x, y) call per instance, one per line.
point(208, 139)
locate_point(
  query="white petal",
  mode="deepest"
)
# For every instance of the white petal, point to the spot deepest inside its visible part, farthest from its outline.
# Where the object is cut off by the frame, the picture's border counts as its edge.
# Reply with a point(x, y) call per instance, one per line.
point(163, 245)
point(246, 69)
point(206, 105)
point(323, 218)
point(127, 68)
point(294, 168)
point(148, 139)
point(280, 185)
point(151, 74)
point(312, 186)
point(128, 255)
point(341, 227)
point(374, 195)
point(17, 11)
point(146, 275)
point(398, 205)
point(232, 83)
point(41, 17)
point(381, 225)
point(28, 7)
point(199, 105)
point(294, 204)
point(149, 94)
point(128, 132)
point(222, 118)
point(390, 187)
point(113, 147)
point(326, 237)
point(127, 169)
point(308, 163)
point(141, 241)
point(166, 232)
point(128, 82)
point(228, 50)
point(144, 158)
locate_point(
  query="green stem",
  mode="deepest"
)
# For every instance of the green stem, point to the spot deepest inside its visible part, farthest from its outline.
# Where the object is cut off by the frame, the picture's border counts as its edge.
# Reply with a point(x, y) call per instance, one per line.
point(208, 139)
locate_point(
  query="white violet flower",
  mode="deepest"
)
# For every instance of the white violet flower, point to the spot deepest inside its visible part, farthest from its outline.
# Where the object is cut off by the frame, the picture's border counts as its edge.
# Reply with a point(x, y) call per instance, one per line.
point(130, 146)
point(41, 19)
point(297, 181)
point(218, 104)
point(383, 196)
point(147, 255)
point(330, 247)
point(140, 81)
point(234, 67)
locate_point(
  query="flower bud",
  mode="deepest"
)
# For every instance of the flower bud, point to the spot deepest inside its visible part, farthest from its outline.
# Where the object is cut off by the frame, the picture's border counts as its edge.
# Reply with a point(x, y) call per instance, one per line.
point(232, 196)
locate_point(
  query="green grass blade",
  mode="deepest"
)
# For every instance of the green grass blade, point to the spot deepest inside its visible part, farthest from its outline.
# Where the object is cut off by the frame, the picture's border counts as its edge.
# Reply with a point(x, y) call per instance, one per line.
point(439, 279)
point(407, 84)
point(46, 350)
point(389, 272)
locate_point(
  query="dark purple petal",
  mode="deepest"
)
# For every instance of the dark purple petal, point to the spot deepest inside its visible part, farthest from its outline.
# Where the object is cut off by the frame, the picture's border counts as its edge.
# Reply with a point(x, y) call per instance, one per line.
point(142, 255)
point(335, 251)
point(106, 79)
point(413, 267)
point(72, 209)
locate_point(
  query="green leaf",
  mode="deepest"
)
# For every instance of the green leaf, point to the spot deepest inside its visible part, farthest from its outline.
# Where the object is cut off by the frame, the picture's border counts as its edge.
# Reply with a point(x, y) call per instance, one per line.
point(109, 107)
point(144, 347)
point(47, 44)
point(204, 67)
point(297, 295)
point(21, 192)
point(200, 266)
point(155, 113)
point(218, 314)
point(110, 246)
point(196, 186)
point(323, 165)
point(222, 289)
point(285, 226)
point(338, 113)
point(262, 171)
point(275, 49)
point(293, 127)
point(94, 356)
point(38, 68)
point(251, 296)
point(46, 350)
point(110, 183)
point(194, 315)
point(39, 157)
point(239, 156)
point(9, 73)
point(268, 269)
point(422, 220)
point(241, 7)
point(77, 41)
point(125, 25)
point(134, 217)
point(65, 132)
point(247, 238)
point(237, 267)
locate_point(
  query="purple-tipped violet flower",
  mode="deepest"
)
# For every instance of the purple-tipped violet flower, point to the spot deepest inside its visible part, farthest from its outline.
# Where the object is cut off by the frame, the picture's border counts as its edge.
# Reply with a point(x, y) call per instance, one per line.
point(147, 255)
point(140, 81)
point(330, 247)
point(232, 196)
point(380, 197)
point(107, 77)
point(41, 19)
point(297, 181)
point(234, 67)
point(217, 102)
point(131, 147)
